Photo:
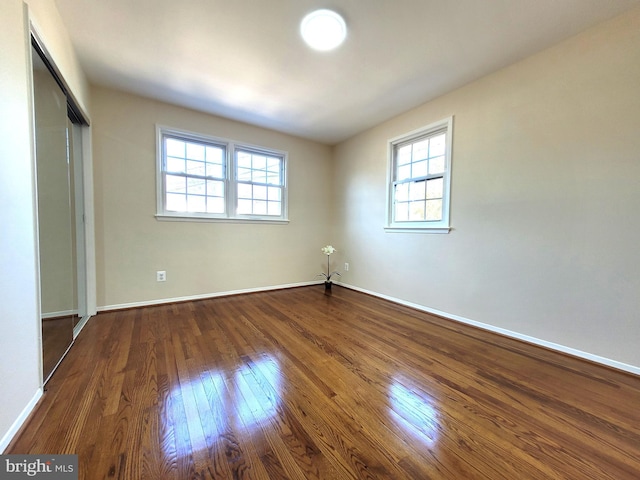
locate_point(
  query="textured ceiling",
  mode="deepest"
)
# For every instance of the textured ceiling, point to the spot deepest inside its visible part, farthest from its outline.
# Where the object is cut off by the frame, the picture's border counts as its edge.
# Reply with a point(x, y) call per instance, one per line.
point(244, 59)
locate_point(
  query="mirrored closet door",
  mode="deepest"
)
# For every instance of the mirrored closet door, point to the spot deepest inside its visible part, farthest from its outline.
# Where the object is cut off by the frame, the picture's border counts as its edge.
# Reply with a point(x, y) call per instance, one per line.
point(60, 215)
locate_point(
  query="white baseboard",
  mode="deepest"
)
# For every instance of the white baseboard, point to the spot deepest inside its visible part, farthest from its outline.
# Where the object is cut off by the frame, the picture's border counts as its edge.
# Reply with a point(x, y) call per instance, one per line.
point(8, 436)
point(63, 313)
point(204, 296)
point(508, 333)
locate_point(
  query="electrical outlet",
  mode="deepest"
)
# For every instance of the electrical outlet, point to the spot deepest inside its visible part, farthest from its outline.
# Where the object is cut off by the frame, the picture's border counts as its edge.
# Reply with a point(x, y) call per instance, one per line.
point(346, 267)
point(161, 276)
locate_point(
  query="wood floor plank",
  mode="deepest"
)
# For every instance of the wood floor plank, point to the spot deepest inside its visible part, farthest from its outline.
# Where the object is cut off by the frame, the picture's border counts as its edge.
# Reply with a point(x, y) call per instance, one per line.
point(295, 384)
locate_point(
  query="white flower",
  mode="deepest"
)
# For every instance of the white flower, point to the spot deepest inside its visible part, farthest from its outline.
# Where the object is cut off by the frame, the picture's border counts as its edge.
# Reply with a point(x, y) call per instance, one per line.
point(328, 250)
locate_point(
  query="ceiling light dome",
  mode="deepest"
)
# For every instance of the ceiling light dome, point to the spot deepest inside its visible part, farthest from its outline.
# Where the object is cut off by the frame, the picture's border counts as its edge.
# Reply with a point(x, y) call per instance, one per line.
point(323, 30)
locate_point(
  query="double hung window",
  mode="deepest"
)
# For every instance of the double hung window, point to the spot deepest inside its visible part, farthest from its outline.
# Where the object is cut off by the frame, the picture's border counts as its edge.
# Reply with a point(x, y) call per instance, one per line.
point(420, 177)
point(203, 177)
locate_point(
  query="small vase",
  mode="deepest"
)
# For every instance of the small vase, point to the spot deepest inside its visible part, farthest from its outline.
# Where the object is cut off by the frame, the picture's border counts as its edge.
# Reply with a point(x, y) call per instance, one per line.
point(327, 286)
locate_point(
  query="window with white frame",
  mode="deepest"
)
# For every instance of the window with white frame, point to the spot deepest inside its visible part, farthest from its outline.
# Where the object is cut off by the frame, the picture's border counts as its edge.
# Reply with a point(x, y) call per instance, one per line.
point(259, 182)
point(202, 177)
point(420, 179)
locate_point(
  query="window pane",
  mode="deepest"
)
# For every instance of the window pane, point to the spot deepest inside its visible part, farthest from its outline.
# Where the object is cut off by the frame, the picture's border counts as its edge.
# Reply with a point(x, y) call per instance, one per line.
point(244, 207)
point(275, 194)
point(417, 190)
point(243, 159)
point(434, 210)
point(259, 192)
point(402, 212)
point(245, 190)
point(273, 164)
point(215, 155)
point(196, 168)
point(215, 170)
point(404, 155)
point(196, 204)
point(176, 184)
point(419, 169)
point(436, 165)
point(259, 207)
point(174, 148)
point(275, 208)
point(437, 145)
point(404, 172)
point(215, 205)
point(435, 188)
point(244, 174)
point(195, 151)
point(175, 165)
point(420, 150)
point(259, 176)
point(176, 203)
point(416, 210)
point(402, 192)
point(196, 186)
point(215, 189)
point(273, 178)
point(259, 162)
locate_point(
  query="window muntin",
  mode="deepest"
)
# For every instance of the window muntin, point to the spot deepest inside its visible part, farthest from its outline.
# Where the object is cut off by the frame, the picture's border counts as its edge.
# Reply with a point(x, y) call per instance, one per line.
point(206, 177)
point(420, 178)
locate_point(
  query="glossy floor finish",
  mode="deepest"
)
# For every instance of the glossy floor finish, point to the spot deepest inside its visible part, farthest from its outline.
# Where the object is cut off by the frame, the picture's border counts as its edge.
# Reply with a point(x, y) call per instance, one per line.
point(298, 384)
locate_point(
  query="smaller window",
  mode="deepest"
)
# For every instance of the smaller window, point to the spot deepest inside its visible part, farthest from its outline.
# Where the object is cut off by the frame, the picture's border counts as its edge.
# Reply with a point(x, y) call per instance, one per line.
point(420, 178)
point(203, 177)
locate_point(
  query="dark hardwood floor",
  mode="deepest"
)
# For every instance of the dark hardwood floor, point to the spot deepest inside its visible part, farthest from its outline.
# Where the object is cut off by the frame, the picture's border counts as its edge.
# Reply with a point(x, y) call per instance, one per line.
point(298, 384)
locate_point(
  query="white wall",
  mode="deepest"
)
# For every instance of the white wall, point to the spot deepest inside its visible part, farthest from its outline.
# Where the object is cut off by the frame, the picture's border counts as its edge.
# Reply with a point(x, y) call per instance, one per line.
point(19, 318)
point(199, 258)
point(545, 199)
point(20, 348)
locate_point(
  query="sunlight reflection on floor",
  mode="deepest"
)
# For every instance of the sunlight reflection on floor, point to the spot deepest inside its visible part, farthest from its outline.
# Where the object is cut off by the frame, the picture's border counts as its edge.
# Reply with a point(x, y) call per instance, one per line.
point(224, 403)
point(257, 383)
point(414, 413)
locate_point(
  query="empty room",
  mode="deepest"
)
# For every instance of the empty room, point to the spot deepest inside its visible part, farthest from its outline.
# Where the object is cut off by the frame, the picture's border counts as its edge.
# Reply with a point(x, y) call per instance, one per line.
point(320, 240)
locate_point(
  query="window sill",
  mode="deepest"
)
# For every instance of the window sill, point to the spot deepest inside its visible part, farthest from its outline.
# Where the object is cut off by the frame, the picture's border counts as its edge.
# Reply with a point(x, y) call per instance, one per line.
point(193, 218)
point(417, 229)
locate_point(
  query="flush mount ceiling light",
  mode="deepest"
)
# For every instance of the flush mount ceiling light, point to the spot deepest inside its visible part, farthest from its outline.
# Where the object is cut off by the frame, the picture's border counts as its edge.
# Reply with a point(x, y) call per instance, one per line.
point(323, 30)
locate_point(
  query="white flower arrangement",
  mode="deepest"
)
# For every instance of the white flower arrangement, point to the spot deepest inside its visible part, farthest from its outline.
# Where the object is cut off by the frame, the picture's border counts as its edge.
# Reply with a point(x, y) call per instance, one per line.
point(328, 250)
